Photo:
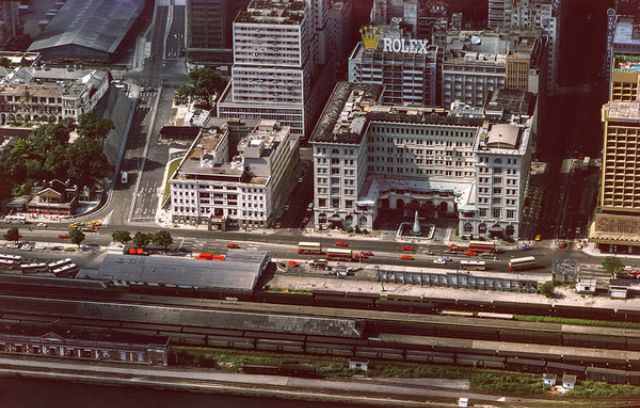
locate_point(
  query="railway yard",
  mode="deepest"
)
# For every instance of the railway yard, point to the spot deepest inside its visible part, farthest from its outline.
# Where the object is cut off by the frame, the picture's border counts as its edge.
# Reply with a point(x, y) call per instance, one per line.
point(386, 314)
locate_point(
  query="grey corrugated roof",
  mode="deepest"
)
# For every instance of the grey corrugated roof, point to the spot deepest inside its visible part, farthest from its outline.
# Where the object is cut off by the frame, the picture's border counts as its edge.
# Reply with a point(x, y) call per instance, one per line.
point(239, 271)
point(97, 24)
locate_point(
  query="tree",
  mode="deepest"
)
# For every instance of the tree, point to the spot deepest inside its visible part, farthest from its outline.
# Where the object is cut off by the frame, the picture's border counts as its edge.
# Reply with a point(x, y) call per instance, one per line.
point(12, 234)
point(612, 265)
point(5, 62)
point(141, 239)
point(204, 83)
point(121, 236)
point(90, 126)
point(76, 236)
point(86, 161)
point(162, 239)
point(547, 289)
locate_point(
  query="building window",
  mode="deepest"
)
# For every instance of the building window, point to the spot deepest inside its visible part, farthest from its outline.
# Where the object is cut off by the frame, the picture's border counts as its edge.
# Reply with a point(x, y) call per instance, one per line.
point(496, 212)
point(483, 212)
point(511, 214)
point(322, 202)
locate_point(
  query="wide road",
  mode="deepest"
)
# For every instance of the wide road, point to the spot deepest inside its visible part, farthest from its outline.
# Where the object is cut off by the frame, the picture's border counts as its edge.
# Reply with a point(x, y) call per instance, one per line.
point(283, 245)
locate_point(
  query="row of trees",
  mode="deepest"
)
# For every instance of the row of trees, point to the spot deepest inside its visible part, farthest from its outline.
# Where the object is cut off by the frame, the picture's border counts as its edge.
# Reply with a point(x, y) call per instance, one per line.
point(162, 239)
point(47, 154)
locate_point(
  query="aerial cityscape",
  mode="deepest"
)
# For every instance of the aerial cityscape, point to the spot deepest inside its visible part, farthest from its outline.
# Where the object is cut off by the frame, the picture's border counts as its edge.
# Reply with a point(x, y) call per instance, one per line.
point(306, 203)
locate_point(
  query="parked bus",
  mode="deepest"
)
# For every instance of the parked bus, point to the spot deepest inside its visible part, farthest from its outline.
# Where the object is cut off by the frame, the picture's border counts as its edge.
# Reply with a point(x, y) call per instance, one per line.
point(15, 219)
point(314, 248)
point(15, 258)
point(34, 268)
point(481, 246)
point(473, 265)
point(521, 263)
point(7, 265)
point(58, 264)
point(65, 270)
point(339, 253)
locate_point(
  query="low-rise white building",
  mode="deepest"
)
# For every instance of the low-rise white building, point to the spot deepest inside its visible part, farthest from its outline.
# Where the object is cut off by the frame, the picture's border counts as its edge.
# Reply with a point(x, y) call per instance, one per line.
point(40, 94)
point(226, 176)
point(371, 160)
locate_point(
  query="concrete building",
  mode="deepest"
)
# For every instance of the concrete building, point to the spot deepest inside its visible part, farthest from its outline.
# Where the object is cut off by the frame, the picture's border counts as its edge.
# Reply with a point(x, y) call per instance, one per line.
point(407, 68)
point(616, 227)
point(209, 24)
point(40, 94)
point(9, 21)
point(624, 80)
point(224, 178)
point(341, 21)
point(60, 340)
point(546, 16)
point(477, 63)
point(281, 70)
point(87, 30)
point(499, 13)
point(371, 160)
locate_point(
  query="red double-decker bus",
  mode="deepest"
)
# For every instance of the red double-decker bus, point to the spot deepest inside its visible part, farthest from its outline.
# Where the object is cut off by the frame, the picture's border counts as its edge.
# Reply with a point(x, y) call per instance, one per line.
point(481, 246)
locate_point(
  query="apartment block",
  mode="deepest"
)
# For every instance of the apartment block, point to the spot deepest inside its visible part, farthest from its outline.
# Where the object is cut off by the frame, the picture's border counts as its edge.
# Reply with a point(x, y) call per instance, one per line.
point(625, 60)
point(230, 175)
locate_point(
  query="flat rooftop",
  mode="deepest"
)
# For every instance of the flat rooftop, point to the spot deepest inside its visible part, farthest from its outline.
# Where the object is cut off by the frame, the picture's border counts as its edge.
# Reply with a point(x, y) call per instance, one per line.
point(420, 116)
point(239, 271)
point(510, 101)
point(504, 139)
point(343, 119)
point(626, 63)
point(623, 111)
point(627, 33)
point(272, 12)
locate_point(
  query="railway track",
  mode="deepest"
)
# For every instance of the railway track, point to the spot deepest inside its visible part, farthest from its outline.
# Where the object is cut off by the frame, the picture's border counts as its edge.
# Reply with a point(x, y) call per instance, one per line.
point(608, 354)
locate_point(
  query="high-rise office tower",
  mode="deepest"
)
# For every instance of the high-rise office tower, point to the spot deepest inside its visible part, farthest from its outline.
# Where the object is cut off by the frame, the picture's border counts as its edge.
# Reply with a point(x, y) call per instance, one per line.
point(616, 227)
point(281, 69)
point(209, 37)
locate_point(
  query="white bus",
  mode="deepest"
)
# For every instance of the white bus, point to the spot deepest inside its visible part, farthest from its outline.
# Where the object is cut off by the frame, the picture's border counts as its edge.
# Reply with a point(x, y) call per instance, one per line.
point(15, 258)
point(314, 248)
point(58, 264)
point(521, 263)
point(473, 265)
point(7, 265)
point(68, 268)
point(34, 267)
point(15, 219)
point(339, 253)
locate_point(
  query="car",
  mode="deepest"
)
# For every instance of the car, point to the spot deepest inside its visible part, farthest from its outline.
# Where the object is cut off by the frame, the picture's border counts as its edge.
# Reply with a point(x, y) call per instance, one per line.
point(342, 244)
point(440, 261)
point(233, 245)
point(300, 179)
point(64, 236)
point(367, 253)
point(469, 252)
point(278, 225)
point(408, 248)
point(41, 225)
point(407, 257)
point(454, 247)
point(538, 237)
point(487, 255)
point(286, 208)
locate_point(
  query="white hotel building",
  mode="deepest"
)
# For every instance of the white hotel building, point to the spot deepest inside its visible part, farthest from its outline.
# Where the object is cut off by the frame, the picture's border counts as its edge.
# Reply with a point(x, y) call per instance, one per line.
point(279, 70)
point(227, 176)
point(370, 159)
